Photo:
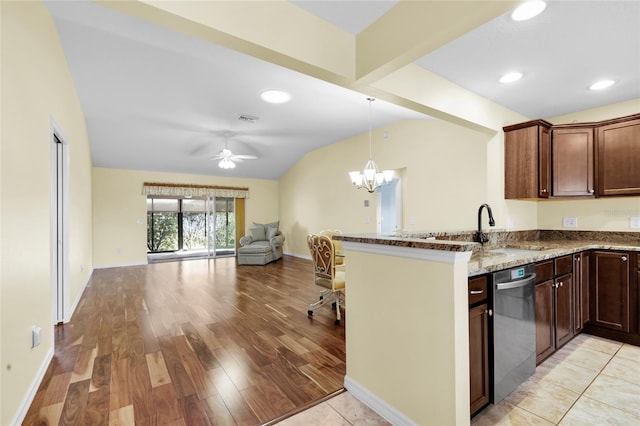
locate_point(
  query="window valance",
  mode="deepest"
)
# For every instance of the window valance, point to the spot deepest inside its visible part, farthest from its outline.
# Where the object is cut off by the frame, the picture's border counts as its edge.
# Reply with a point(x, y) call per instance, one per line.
point(189, 190)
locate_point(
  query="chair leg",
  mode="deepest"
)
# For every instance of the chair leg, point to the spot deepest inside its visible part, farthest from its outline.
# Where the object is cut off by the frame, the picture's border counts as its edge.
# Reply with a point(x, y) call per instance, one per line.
point(334, 299)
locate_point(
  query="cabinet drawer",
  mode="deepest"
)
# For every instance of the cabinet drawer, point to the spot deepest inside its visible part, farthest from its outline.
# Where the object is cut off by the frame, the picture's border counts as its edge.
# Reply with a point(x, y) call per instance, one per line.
point(544, 271)
point(477, 289)
point(564, 265)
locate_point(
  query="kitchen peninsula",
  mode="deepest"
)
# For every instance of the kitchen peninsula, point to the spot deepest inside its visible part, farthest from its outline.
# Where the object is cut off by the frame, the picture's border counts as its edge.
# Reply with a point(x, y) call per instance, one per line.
point(408, 311)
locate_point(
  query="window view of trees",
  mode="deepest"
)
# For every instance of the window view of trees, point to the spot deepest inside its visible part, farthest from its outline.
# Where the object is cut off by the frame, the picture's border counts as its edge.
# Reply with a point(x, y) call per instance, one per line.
point(194, 230)
point(225, 224)
point(162, 231)
point(182, 224)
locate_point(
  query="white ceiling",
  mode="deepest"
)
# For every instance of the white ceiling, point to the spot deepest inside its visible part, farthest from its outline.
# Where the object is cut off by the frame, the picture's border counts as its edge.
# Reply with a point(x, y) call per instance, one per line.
point(159, 100)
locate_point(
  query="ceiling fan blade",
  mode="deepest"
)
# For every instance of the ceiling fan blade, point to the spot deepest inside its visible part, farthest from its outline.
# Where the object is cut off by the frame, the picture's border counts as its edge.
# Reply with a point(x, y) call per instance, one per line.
point(246, 157)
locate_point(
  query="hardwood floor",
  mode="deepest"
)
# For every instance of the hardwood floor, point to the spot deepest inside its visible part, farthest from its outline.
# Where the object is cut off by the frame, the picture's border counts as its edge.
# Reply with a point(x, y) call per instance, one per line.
point(192, 343)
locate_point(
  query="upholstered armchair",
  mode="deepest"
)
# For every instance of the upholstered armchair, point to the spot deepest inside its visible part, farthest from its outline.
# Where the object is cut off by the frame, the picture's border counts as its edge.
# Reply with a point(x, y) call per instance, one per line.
point(264, 244)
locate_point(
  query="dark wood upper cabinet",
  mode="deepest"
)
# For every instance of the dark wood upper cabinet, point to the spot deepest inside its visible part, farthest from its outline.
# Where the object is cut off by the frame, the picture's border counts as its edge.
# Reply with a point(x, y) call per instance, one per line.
point(572, 154)
point(572, 160)
point(619, 157)
point(527, 151)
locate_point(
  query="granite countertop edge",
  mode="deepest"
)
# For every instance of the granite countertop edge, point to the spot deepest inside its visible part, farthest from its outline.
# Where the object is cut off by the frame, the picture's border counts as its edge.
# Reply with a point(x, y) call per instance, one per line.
point(484, 260)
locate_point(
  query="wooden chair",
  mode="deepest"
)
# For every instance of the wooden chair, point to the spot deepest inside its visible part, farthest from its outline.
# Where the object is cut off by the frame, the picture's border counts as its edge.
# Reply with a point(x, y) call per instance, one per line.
point(337, 244)
point(326, 274)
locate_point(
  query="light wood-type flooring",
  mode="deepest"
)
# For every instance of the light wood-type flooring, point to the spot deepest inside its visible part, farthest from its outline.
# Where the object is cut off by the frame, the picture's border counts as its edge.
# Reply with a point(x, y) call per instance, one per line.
point(196, 342)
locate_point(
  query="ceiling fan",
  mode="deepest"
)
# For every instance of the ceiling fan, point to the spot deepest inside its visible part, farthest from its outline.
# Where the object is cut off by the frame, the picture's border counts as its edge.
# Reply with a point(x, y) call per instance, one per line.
point(228, 159)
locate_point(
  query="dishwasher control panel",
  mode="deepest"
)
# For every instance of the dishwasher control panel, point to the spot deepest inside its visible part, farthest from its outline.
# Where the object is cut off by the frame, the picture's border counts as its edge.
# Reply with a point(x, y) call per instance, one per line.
point(517, 273)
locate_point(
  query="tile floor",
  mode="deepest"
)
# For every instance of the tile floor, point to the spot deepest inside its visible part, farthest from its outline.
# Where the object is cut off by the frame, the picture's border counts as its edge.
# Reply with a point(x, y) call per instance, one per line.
point(341, 410)
point(590, 381)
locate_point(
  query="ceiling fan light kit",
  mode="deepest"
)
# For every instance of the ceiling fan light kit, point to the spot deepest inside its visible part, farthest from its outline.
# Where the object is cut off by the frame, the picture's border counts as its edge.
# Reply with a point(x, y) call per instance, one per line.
point(228, 159)
point(370, 178)
point(226, 163)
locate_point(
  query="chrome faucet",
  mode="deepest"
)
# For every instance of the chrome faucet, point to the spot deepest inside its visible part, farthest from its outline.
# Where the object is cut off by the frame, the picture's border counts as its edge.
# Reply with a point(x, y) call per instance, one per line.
point(481, 237)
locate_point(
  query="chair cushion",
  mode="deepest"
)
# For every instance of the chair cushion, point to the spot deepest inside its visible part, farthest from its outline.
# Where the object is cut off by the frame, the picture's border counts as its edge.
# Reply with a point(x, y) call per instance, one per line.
point(275, 224)
point(256, 247)
point(258, 234)
point(271, 232)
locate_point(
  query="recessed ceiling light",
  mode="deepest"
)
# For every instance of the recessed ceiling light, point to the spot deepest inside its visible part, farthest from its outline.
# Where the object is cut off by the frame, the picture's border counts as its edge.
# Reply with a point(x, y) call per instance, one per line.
point(528, 10)
point(602, 84)
point(511, 77)
point(274, 96)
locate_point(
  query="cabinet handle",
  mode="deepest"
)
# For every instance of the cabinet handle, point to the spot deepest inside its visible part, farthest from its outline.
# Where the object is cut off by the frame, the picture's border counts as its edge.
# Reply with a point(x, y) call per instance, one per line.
point(591, 191)
point(476, 291)
point(624, 258)
point(544, 189)
point(577, 259)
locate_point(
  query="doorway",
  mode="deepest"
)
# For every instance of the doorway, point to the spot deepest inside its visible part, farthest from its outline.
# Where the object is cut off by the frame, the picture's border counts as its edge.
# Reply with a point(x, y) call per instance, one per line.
point(389, 206)
point(59, 225)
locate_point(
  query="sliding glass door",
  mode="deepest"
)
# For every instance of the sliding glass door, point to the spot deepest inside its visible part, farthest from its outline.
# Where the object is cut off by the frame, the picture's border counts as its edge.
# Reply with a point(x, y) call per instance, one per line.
point(191, 227)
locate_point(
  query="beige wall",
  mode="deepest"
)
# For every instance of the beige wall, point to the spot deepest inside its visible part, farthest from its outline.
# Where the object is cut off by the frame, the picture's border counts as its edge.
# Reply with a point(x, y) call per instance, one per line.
point(607, 213)
point(120, 210)
point(415, 358)
point(36, 87)
point(445, 180)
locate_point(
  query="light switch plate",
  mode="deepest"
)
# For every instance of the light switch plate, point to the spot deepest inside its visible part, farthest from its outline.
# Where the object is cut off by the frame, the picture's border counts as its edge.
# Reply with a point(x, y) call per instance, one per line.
point(634, 222)
point(570, 222)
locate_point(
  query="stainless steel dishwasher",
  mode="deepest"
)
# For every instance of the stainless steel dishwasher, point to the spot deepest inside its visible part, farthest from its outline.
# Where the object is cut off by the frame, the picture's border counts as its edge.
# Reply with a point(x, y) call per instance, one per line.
point(514, 329)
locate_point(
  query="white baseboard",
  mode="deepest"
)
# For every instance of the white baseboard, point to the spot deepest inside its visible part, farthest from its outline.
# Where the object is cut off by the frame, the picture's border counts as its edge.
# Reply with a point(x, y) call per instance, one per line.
point(73, 307)
point(120, 265)
point(31, 393)
point(385, 410)
point(301, 256)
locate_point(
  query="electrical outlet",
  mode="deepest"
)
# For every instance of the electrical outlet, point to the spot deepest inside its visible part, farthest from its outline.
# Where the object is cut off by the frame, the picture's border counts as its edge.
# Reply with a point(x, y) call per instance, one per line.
point(367, 219)
point(36, 336)
point(570, 222)
point(634, 222)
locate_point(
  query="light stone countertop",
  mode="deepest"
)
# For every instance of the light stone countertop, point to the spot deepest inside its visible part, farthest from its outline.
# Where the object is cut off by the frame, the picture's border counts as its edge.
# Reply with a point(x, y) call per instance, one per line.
point(531, 246)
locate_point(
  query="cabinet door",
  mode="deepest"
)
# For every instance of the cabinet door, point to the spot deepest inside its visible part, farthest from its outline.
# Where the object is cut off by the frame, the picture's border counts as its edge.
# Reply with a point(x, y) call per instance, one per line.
point(545, 338)
point(564, 311)
point(609, 290)
point(618, 158)
point(527, 160)
point(572, 162)
point(580, 291)
point(521, 163)
point(479, 357)
point(544, 162)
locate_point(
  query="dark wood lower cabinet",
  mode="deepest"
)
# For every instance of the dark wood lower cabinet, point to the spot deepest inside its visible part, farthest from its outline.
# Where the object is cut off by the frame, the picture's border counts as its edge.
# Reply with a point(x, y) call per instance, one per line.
point(555, 322)
point(563, 309)
point(479, 357)
point(545, 330)
point(580, 291)
point(609, 290)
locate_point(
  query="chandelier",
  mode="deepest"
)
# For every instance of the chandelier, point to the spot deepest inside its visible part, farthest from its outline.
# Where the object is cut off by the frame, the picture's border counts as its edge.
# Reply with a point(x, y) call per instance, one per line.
point(370, 178)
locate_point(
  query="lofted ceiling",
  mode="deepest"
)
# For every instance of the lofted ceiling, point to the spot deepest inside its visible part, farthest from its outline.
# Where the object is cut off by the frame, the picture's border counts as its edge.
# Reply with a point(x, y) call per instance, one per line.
point(162, 100)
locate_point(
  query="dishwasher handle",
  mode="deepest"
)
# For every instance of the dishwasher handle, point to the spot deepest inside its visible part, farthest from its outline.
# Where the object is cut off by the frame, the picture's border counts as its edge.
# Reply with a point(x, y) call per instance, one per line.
point(515, 284)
